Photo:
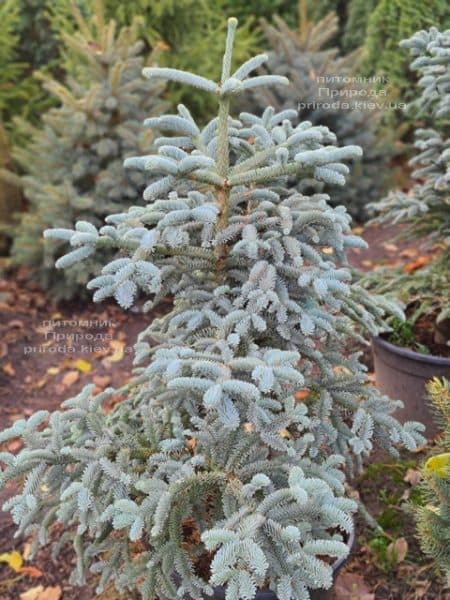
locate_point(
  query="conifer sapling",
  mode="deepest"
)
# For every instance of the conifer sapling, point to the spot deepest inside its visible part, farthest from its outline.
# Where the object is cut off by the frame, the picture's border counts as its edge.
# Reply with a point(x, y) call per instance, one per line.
point(211, 437)
point(426, 208)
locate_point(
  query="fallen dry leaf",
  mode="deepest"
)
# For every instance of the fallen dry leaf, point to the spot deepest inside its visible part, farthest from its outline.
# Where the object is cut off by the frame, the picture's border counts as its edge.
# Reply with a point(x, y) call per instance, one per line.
point(118, 349)
point(284, 433)
point(416, 264)
point(32, 593)
point(41, 382)
point(15, 445)
point(53, 370)
point(191, 443)
point(9, 369)
point(26, 550)
point(302, 394)
point(41, 593)
point(70, 378)
point(409, 253)
point(50, 593)
point(397, 551)
point(351, 586)
point(31, 571)
point(101, 381)
point(82, 365)
point(390, 247)
point(16, 323)
point(412, 476)
point(13, 559)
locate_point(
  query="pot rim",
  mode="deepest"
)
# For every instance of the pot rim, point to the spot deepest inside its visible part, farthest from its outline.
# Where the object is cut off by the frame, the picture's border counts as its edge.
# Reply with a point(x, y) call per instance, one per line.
point(268, 594)
point(411, 354)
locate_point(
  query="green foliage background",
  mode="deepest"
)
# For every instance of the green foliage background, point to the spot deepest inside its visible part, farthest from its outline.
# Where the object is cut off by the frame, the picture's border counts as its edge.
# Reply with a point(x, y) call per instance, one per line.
point(391, 22)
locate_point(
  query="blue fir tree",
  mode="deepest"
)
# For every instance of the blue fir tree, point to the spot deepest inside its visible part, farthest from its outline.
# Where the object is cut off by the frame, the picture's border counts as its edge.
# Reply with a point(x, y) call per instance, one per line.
point(211, 435)
point(71, 164)
point(426, 208)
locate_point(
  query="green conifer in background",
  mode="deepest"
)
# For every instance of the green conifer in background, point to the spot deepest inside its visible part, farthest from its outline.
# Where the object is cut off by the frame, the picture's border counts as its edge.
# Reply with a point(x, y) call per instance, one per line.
point(38, 42)
point(391, 22)
point(303, 56)
point(14, 90)
point(190, 29)
point(266, 9)
point(433, 516)
point(11, 199)
point(37, 47)
point(15, 87)
point(355, 29)
point(72, 163)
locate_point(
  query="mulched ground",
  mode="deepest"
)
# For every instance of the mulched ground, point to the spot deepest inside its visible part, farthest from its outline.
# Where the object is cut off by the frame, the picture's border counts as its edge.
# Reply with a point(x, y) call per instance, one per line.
point(47, 355)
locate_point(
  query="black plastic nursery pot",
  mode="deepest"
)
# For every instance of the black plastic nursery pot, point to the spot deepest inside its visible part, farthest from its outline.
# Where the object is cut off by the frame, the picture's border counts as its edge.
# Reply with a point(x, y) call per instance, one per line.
point(402, 374)
point(317, 594)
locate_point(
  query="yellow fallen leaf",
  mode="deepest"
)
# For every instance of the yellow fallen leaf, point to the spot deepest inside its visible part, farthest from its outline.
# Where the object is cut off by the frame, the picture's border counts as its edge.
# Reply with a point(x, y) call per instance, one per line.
point(83, 365)
point(118, 348)
point(13, 559)
point(439, 465)
point(53, 370)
